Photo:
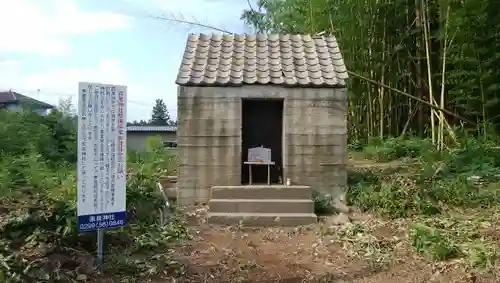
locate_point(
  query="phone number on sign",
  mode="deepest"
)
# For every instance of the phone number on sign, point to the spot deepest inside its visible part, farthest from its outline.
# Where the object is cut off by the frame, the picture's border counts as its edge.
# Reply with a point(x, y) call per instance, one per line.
point(101, 224)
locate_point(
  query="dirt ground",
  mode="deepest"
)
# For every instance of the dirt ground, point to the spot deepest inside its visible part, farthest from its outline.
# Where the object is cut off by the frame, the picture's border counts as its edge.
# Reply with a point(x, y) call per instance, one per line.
point(345, 248)
point(350, 247)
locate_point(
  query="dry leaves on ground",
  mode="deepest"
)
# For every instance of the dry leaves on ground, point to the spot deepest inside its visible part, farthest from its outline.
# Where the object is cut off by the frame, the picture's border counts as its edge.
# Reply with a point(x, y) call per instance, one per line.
point(341, 248)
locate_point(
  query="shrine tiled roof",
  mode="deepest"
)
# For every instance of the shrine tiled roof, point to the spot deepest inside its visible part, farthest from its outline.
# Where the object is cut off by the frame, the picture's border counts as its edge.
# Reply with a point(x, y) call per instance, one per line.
point(259, 59)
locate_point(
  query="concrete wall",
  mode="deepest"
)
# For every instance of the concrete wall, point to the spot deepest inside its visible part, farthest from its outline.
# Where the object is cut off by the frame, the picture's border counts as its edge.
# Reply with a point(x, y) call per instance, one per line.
point(209, 137)
point(138, 140)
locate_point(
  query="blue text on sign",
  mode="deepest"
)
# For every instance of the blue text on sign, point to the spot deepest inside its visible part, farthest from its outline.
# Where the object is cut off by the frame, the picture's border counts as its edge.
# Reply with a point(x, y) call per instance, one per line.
point(101, 221)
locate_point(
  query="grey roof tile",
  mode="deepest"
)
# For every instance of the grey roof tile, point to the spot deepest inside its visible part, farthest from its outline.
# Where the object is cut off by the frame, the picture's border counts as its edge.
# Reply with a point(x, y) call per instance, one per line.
point(14, 97)
point(290, 60)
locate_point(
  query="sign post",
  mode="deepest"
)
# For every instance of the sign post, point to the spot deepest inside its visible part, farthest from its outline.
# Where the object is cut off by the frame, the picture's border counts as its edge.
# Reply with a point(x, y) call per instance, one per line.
point(102, 171)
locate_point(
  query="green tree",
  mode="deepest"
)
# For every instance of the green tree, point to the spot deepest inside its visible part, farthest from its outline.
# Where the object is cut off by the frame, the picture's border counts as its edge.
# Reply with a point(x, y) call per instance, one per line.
point(66, 107)
point(160, 115)
point(138, 123)
point(441, 51)
point(52, 136)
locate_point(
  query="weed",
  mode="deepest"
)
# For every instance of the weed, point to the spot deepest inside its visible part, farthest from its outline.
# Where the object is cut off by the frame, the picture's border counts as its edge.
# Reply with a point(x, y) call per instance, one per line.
point(39, 240)
point(395, 148)
point(358, 241)
point(481, 255)
point(445, 178)
point(322, 203)
point(435, 243)
point(440, 184)
point(445, 238)
point(392, 199)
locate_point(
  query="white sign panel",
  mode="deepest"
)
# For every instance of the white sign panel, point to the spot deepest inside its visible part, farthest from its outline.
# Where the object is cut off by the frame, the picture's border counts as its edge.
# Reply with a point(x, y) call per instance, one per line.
point(102, 170)
point(259, 154)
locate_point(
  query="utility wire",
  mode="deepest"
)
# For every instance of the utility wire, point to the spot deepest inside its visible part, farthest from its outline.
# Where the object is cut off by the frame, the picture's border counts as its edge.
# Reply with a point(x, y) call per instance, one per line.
point(36, 92)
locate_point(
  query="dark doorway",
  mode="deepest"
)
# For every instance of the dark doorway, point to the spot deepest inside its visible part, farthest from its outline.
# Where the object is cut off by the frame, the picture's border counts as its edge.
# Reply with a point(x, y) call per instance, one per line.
point(262, 125)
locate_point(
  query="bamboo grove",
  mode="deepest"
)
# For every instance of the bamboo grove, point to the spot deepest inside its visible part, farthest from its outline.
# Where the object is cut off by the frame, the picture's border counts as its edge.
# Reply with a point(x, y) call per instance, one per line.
point(440, 54)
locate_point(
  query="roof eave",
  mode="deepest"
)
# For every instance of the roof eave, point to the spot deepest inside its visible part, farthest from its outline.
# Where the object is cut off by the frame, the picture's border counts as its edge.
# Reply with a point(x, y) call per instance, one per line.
point(336, 86)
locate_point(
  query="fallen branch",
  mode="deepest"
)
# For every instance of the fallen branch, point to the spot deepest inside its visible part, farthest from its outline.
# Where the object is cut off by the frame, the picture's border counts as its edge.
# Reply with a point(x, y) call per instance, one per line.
point(435, 107)
point(191, 23)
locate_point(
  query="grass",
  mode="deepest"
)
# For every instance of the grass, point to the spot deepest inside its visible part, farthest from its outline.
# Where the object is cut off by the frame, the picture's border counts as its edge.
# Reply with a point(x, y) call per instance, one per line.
point(38, 237)
point(447, 202)
point(447, 238)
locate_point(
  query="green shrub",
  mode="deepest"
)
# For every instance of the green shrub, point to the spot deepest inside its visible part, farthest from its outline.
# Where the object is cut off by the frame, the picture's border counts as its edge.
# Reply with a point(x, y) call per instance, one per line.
point(445, 238)
point(395, 148)
point(322, 203)
point(391, 199)
point(437, 244)
point(467, 177)
point(38, 205)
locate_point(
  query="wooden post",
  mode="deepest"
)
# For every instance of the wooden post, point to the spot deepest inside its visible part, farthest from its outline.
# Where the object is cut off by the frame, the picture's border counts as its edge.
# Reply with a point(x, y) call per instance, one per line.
point(269, 174)
point(250, 173)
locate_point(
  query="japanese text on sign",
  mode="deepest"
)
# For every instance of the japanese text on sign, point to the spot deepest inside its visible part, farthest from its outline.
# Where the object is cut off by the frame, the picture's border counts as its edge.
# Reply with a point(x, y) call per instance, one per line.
point(101, 156)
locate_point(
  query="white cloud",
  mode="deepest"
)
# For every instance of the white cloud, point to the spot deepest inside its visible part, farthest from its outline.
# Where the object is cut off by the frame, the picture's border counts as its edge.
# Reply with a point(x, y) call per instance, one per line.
point(42, 27)
point(10, 65)
point(66, 79)
point(59, 81)
point(8, 71)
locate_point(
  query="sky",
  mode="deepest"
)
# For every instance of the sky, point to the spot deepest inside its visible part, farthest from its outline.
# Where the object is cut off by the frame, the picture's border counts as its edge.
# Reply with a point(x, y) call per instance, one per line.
point(47, 47)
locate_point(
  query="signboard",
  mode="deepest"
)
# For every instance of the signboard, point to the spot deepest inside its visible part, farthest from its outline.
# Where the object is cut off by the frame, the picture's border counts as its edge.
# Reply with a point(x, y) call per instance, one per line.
point(259, 154)
point(101, 194)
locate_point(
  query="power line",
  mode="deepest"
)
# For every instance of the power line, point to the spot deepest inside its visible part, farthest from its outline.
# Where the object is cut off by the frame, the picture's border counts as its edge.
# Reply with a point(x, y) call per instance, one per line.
point(37, 92)
point(67, 94)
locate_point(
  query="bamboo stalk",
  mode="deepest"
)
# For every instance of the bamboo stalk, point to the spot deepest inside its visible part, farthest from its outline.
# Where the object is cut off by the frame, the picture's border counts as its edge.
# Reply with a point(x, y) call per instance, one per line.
point(382, 79)
point(428, 60)
point(448, 127)
point(443, 72)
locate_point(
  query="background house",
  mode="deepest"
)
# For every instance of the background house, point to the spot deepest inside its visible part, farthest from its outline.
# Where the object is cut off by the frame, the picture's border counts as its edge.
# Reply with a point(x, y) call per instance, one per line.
point(137, 136)
point(15, 101)
point(285, 92)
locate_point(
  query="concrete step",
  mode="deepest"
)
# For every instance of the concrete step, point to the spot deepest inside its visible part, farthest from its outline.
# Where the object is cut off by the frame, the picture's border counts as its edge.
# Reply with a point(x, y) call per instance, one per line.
point(261, 205)
point(262, 219)
point(261, 192)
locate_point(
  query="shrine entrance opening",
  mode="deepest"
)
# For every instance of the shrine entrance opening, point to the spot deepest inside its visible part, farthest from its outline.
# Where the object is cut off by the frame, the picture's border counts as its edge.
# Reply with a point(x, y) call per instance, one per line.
point(262, 125)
